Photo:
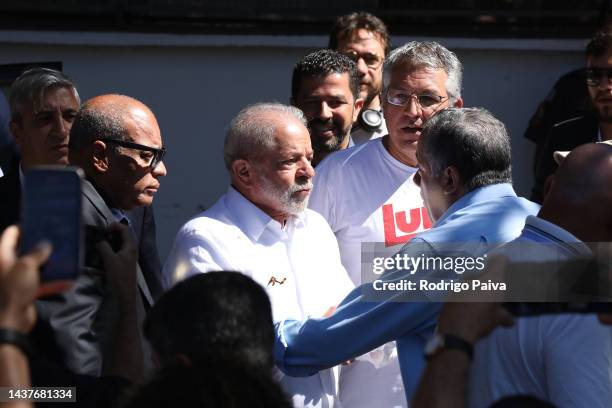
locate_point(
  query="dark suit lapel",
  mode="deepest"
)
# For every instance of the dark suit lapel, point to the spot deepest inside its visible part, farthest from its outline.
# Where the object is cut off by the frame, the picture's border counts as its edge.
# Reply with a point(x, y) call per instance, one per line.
point(91, 194)
point(144, 288)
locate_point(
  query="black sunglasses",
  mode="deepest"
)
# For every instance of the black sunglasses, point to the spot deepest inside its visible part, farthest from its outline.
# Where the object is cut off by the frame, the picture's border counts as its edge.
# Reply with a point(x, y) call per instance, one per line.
point(158, 154)
point(595, 75)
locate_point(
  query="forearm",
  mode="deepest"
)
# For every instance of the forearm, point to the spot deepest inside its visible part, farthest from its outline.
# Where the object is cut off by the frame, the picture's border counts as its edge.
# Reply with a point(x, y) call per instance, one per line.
point(303, 348)
point(367, 318)
point(14, 372)
point(125, 357)
point(444, 381)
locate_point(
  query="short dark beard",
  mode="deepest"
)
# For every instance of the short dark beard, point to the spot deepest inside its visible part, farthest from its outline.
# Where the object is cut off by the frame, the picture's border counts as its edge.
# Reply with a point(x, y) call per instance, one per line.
point(605, 114)
point(369, 98)
point(331, 145)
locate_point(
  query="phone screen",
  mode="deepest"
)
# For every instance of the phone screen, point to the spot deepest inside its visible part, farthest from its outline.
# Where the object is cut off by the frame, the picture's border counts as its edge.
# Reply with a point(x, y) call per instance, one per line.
point(51, 210)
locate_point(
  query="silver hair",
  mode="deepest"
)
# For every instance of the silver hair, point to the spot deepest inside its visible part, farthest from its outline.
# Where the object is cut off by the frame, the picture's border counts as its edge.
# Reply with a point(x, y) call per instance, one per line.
point(473, 141)
point(251, 132)
point(426, 54)
point(30, 88)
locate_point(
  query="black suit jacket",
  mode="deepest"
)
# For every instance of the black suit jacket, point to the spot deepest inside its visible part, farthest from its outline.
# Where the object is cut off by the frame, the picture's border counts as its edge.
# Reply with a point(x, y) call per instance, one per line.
point(10, 188)
point(80, 319)
point(564, 136)
point(142, 221)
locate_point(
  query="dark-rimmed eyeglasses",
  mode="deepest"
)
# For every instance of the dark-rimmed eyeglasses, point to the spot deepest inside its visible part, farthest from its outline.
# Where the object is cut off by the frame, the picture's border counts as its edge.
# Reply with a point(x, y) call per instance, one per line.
point(399, 97)
point(157, 155)
point(595, 75)
point(371, 60)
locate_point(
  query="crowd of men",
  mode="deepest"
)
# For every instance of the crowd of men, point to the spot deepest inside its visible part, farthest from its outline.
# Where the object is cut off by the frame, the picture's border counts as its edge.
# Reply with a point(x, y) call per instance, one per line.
point(263, 300)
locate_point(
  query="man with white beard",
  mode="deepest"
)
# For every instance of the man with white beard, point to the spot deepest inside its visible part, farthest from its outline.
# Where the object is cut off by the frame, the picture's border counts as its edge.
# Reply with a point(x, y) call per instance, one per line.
point(262, 228)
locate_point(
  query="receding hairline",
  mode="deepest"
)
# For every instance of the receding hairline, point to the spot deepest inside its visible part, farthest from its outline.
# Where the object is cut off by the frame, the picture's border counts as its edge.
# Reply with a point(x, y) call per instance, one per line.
point(271, 115)
point(254, 130)
point(408, 67)
point(37, 102)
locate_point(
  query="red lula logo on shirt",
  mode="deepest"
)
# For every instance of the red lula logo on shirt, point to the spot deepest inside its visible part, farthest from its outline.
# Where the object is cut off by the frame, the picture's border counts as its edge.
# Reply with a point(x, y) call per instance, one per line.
point(399, 228)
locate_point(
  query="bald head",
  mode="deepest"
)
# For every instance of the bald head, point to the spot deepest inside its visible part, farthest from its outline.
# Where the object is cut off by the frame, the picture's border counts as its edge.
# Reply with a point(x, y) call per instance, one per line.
point(580, 197)
point(108, 116)
point(117, 142)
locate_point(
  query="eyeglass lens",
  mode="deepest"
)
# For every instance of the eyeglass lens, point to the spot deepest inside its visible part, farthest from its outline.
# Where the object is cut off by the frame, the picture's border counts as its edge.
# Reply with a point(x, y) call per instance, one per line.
point(371, 60)
point(595, 75)
point(401, 98)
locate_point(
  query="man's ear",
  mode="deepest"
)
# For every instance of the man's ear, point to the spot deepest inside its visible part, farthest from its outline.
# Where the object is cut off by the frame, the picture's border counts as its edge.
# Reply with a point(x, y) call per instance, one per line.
point(451, 180)
point(99, 156)
point(458, 103)
point(548, 185)
point(243, 172)
point(358, 106)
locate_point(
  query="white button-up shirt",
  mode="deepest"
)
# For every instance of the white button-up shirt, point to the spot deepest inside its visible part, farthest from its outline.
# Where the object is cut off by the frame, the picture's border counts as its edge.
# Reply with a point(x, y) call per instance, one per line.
point(235, 235)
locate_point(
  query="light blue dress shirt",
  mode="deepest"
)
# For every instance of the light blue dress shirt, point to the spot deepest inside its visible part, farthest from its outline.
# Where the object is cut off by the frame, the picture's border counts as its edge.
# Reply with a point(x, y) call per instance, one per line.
point(482, 219)
point(562, 358)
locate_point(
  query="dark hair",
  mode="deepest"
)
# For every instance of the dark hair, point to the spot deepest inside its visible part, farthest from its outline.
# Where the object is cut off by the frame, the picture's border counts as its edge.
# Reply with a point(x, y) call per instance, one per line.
point(321, 63)
point(30, 88)
point(211, 315)
point(471, 140)
point(347, 24)
point(600, 42)
point(216, 384)
point(94, 121)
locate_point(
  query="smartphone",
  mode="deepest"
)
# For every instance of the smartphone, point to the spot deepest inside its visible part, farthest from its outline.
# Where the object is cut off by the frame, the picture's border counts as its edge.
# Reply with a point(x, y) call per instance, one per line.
point(51, 210)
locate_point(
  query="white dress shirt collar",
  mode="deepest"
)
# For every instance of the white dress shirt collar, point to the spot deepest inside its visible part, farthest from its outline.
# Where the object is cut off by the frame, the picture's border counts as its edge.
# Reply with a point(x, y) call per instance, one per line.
point(253, 221)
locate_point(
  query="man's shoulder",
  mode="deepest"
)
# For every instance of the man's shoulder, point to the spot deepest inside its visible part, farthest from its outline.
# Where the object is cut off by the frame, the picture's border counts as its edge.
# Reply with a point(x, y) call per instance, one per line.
point(95, 211)
point(500, 211)
point(575, 131)
point(589, 121)
point(500, 219)
point(315, 220)
point(348, 159)
point(203, 223)
point(210, 223)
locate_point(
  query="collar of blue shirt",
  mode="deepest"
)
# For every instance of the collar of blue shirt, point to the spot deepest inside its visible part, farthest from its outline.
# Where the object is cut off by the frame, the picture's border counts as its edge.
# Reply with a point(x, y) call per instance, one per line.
point(477, 195)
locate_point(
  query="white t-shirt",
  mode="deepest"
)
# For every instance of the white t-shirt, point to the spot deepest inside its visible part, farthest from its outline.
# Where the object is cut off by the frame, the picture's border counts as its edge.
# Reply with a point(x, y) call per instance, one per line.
point(367, 195)
point(298, 265)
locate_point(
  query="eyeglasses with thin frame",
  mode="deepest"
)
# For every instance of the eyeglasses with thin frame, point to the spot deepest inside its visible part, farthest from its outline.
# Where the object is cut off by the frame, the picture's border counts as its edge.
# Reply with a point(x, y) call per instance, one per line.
point(370, 59)
point(399, 97)
point(595, 75)
point(152, 161)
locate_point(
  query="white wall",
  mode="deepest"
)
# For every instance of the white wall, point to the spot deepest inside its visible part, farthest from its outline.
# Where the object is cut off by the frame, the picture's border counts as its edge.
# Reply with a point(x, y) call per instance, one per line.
point(195, 84)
